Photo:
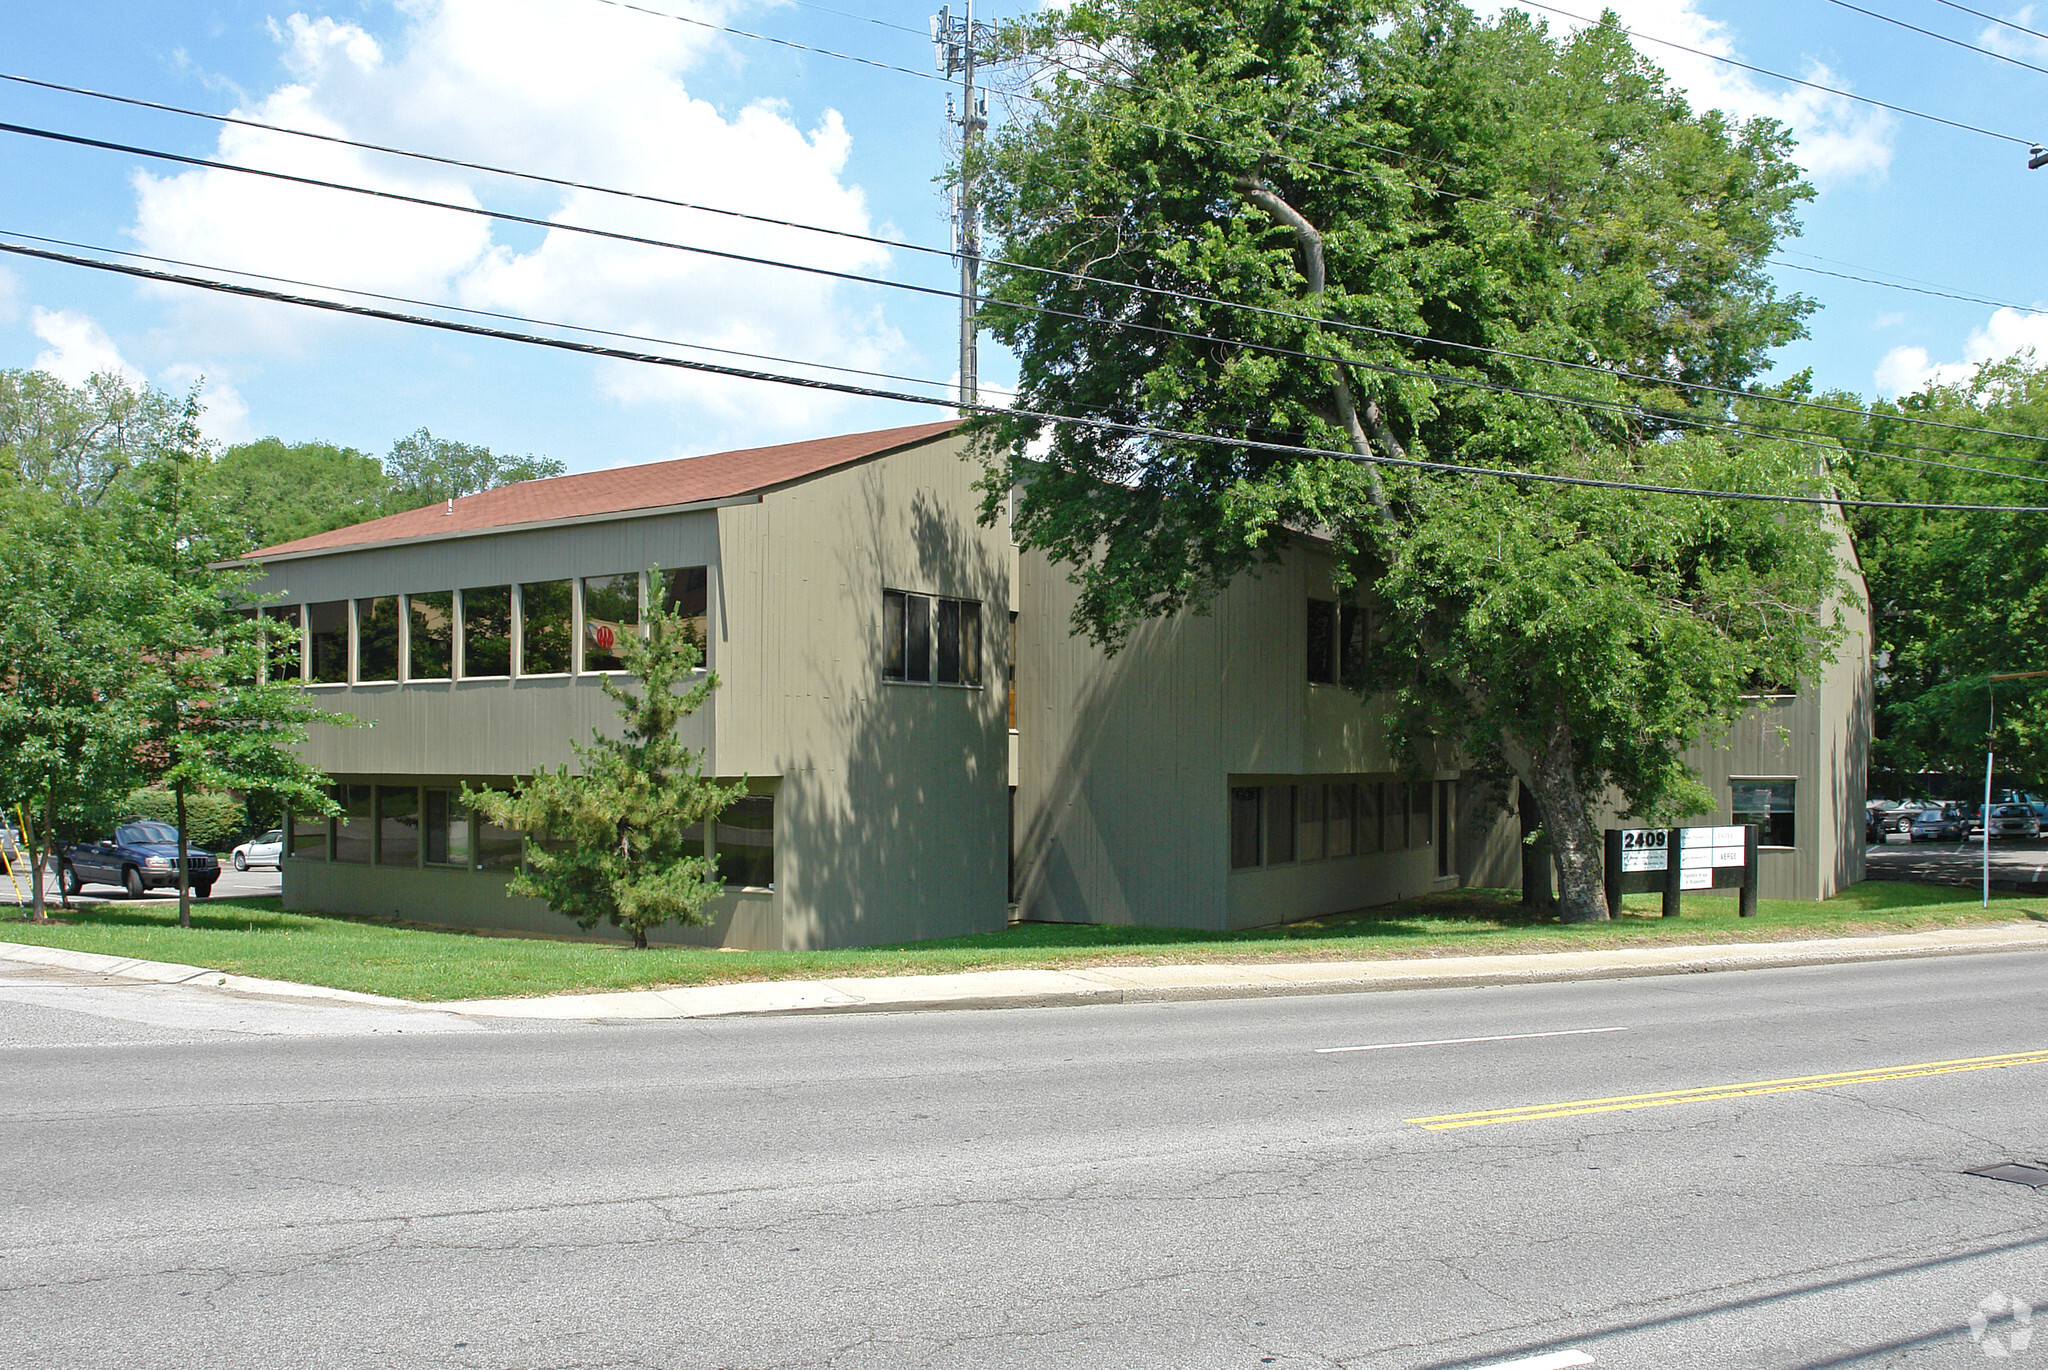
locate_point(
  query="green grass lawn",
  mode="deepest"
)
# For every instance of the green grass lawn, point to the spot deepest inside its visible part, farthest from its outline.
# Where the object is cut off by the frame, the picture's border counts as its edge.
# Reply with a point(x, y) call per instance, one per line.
point(255, 937)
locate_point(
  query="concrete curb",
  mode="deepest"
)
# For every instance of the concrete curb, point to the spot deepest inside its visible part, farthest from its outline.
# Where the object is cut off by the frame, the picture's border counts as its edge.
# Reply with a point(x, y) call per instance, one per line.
point(198, 977)
point(998, 989)
point(1183, 983)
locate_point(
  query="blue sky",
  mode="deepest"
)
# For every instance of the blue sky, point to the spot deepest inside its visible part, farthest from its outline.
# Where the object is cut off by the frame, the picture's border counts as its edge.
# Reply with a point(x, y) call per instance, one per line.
point(589, 90)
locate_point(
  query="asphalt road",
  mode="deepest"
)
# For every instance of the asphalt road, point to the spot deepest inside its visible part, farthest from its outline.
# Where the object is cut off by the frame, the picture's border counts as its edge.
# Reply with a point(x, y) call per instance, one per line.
point(1184, 1185)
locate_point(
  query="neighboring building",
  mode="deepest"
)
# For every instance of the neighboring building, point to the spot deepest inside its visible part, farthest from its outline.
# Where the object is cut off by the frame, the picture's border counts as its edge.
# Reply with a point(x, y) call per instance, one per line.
point(1213, 773)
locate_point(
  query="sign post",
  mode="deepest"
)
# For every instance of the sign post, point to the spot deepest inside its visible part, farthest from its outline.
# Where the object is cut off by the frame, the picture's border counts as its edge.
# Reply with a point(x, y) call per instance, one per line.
point(1674, 860)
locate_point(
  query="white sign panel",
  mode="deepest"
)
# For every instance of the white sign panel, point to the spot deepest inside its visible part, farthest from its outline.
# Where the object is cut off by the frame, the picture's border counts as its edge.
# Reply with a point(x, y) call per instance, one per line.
point(1641, 859)
point(1645, 849)
point(1696, 878)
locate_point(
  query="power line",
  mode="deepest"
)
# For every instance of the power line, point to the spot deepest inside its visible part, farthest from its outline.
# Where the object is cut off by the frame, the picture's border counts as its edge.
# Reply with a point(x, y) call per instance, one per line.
point(1942, 37)
point(1105, 425)
point(2021, 28)
point(1345, 325)
point(1912, 289)
point(1636, 411)
point(1780, 76)
point(470, 310)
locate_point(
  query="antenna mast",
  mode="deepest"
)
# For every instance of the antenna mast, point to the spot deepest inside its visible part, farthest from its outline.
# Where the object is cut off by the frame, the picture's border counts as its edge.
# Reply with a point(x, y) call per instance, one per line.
point(955, 39)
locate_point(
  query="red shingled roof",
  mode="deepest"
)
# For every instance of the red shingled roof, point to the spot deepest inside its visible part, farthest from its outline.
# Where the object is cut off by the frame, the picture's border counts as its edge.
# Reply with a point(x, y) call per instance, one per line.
point(656, 485)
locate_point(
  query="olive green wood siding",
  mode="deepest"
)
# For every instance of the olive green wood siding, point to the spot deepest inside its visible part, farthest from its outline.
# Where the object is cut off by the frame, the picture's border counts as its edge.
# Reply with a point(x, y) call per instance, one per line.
point(1126, 760)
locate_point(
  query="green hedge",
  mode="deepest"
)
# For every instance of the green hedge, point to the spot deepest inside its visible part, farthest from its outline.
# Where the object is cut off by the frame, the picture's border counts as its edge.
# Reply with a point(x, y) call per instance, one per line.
point(213, 822)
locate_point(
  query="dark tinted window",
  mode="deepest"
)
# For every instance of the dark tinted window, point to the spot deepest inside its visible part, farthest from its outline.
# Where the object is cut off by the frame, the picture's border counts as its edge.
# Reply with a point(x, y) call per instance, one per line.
point(1279, 824)
point(917, 637)
point(487, 631)
point(398, 825)
point(1322, 641)
point(377, 638)
point(948, 620)
point(352, 829)
point(545, 633)
point(611, 611)
point(1351, 633)
point(444, 829)
point(686, 593)
point(893, 667)
point(745, 843)
point(283, 642)
point(970, 643)
point(327, 634)
point(1245, 810)
point(430, 650)
point(146, 835)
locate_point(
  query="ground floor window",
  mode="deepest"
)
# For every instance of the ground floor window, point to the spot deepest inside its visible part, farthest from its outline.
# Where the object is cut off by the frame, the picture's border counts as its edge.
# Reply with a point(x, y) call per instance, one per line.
point(1767, 806)
point(1277, 825)
point(444, 829)
point(398, 825)
point(743, 842)
point(352, 828)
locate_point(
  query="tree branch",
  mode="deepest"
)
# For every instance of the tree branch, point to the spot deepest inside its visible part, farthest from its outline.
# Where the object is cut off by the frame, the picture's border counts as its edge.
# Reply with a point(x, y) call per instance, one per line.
point(1310, 243)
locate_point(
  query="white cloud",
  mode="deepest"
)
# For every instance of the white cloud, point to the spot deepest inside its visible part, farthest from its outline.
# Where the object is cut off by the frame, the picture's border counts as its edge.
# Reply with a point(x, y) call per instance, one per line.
point(225, 416)
point(583, 92)
point(1838, 140)
point(2002, 39)
point(2009, 331)
point(79, 348)
point(1891, 320)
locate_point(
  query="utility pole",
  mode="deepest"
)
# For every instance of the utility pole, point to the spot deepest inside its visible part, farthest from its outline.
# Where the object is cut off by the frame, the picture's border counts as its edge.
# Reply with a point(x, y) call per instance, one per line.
point(955, 41)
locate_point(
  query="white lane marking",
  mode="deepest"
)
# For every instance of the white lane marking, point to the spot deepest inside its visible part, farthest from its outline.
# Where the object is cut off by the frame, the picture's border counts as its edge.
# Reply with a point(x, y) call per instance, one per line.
point(1555, 1360)
point(1461, 1041)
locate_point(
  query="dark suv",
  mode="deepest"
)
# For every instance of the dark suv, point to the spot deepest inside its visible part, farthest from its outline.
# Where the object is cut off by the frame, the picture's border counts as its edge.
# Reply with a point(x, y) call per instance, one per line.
point(142, 856)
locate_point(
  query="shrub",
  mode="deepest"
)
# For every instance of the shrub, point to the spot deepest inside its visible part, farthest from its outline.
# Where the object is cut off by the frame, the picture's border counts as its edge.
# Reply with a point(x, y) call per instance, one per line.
point(213, 822)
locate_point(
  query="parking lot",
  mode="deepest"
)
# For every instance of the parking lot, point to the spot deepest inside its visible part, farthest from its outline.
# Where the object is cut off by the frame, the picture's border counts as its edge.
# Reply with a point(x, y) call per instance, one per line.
point(2014, 862)
point(232, 884)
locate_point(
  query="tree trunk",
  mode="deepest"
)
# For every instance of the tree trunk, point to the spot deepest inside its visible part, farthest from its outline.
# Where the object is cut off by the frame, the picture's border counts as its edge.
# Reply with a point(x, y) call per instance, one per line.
point(640, 939)
point(184, 871)
point(1537, 892)
point(1573, 840)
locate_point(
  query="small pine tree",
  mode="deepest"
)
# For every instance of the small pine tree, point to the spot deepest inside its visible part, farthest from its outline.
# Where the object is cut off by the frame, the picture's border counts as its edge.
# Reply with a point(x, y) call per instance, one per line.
point(608, 844)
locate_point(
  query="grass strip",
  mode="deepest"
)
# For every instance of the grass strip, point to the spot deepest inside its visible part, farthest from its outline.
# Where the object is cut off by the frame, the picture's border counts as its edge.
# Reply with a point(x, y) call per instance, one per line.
point(257, 937)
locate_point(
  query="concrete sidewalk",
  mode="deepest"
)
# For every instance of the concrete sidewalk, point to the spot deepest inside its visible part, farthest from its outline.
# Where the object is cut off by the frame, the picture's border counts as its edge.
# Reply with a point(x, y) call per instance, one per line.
point(1099, 985)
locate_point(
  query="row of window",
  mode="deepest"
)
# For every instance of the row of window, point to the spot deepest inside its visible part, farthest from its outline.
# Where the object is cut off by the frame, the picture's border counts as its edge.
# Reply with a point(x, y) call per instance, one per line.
point(416, 826)
point(929, 639)
point(547, 627)
point(1278, 825)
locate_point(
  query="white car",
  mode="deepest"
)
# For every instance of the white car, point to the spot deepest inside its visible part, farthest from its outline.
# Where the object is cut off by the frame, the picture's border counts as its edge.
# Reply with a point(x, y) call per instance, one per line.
point(266, 850)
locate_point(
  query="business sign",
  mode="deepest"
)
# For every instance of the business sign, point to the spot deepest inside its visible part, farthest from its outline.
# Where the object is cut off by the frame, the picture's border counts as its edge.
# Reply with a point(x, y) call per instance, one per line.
point(1674, 859)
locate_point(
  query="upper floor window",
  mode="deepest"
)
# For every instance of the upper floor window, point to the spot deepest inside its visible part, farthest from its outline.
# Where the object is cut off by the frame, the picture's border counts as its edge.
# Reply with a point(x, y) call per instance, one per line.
point(611, 612)
point(487, 631)
point(327, 634)
point(283, 642)
point(927, 639)
point(545, 634)
point(1336, 642)
point(377, 638)
point(686, 593)
point(430, 635)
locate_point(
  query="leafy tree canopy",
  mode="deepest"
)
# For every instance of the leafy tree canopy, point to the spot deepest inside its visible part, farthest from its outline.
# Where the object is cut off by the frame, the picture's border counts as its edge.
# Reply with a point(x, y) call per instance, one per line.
point(1957, 598)
point(1290, 214)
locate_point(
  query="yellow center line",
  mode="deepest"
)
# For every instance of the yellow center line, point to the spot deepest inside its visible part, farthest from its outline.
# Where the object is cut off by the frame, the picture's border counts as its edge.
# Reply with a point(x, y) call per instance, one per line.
point(1707, 1093)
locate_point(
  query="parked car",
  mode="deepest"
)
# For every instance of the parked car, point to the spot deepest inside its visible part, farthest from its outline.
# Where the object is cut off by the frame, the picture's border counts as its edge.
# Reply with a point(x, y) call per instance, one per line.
point(1939, 825)
point(141, 856)
point(1898, 821)
point(266, 850)
point(2014, 820)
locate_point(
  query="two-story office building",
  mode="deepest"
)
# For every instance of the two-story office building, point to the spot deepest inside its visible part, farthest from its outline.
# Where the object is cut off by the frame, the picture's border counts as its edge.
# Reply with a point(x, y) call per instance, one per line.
point(927, 744)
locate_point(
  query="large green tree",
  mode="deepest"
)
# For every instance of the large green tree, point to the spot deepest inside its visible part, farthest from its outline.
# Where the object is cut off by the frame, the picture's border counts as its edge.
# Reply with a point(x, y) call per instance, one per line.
point(77, 442)
point(611, 842)
point(277, 491)
point(1957, 597)
point(1286, 216)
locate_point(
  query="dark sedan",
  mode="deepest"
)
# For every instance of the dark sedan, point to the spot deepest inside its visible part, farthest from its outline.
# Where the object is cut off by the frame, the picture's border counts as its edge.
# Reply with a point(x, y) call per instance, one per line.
point(1939, 825)
point(141, 856)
